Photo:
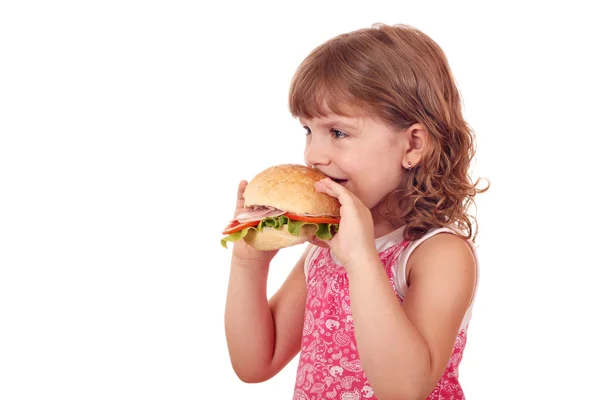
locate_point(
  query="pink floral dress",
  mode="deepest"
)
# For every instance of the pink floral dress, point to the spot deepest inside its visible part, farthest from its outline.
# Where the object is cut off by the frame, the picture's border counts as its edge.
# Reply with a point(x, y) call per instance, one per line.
point(329, 365)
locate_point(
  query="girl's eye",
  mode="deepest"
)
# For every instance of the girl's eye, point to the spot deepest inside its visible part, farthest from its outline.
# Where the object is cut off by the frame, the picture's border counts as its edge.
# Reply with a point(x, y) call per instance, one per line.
point(308, 132)
point(338, 134)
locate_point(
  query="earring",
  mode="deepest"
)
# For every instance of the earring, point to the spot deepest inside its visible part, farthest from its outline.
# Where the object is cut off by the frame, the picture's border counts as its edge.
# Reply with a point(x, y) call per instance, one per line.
point(409, 166)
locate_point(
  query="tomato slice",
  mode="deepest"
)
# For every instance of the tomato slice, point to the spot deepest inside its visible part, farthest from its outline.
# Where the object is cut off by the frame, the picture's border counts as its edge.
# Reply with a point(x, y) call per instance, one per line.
point(316, 220)
point(235, 226)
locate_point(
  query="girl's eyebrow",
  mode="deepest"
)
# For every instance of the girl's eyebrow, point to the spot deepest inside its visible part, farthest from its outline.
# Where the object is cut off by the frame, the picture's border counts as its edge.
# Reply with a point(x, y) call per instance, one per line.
point(333, 122)
point(345, 125)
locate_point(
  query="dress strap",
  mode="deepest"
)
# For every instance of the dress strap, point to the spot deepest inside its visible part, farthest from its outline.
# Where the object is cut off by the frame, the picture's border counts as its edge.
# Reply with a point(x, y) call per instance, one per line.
point(390, 255)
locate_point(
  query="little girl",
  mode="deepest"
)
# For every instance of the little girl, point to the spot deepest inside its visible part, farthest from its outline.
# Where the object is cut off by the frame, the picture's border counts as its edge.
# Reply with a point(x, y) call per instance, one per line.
point(381, 310)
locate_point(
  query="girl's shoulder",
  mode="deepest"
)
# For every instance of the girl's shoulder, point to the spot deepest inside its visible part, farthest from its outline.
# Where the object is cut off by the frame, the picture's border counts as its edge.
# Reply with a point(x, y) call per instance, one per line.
point(439, 242)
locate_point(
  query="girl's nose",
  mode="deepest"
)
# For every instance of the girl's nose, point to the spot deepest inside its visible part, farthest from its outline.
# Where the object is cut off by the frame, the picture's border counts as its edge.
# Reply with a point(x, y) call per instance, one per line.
point(315, 154)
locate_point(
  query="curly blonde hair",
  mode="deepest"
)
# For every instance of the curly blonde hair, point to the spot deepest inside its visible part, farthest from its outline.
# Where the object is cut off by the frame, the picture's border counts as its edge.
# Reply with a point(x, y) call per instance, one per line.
point(401, 76)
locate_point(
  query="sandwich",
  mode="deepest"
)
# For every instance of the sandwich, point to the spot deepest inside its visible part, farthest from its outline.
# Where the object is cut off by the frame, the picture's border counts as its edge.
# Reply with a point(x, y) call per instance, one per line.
point(282, 209)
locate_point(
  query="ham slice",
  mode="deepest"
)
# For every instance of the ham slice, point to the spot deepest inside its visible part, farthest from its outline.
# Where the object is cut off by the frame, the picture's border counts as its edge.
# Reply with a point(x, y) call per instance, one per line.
point(258, 213)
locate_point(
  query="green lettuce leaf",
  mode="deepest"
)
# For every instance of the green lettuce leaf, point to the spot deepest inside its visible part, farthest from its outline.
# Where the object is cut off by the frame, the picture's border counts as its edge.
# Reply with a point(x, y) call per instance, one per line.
point(324, 231)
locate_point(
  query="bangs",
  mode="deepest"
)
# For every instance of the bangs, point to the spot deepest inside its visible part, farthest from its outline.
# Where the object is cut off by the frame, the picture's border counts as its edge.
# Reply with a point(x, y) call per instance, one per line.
point(321, 86)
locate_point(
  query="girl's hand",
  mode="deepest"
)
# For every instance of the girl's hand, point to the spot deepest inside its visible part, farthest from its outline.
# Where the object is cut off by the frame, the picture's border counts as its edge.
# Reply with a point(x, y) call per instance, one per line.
point(242, 251)
point(355, 239)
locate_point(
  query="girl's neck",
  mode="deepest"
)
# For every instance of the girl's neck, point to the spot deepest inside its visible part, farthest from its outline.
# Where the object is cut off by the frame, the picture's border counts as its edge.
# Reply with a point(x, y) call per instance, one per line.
point(384, 226)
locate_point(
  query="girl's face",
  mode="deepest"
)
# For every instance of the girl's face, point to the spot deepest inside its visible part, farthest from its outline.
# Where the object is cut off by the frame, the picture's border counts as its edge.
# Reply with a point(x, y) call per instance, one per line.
point(361, 153)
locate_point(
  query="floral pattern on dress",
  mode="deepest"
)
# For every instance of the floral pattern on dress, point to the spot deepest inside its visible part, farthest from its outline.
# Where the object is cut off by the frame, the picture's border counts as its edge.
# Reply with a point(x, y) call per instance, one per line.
point(329, 366)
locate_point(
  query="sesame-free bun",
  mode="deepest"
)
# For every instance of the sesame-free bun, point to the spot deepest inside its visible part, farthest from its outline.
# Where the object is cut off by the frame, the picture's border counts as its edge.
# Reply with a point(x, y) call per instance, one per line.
point(291, 187)
point(274, 239)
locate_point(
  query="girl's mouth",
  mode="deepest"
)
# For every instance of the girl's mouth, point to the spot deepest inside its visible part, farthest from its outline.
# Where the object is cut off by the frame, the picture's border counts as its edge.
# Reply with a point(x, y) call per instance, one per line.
point(340, 181)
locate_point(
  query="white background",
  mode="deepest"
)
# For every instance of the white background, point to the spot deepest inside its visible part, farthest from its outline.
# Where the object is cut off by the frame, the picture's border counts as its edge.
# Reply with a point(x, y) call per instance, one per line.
point(126, 126)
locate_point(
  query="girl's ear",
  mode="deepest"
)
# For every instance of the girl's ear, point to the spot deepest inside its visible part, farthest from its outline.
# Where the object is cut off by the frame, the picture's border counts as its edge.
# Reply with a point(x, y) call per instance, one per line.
point(417, 138)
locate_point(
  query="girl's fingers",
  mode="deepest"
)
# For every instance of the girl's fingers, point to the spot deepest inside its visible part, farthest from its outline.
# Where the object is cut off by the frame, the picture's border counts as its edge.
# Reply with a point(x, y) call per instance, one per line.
point(333, 189)
point(240, 195)
point(241, 187)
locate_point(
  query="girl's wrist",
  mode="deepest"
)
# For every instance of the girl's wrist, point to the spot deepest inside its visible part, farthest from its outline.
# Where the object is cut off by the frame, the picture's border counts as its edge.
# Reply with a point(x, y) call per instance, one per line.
point(249, 264)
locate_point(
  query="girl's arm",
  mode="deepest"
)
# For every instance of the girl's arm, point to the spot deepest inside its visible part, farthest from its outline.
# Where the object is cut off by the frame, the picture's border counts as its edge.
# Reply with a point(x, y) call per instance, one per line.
point(263, 335)
point(404, 349)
